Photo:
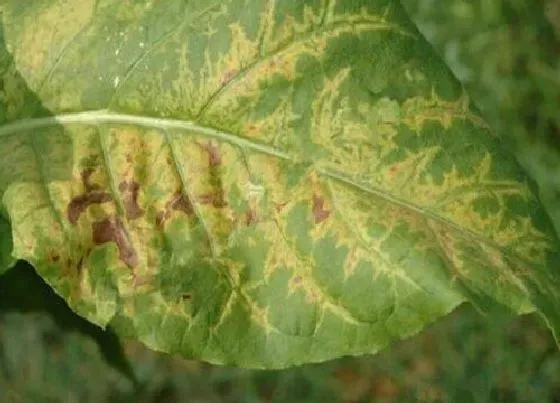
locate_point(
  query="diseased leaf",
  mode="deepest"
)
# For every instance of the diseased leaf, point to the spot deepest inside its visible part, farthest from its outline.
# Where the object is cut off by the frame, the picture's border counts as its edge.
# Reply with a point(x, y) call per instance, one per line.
point(258, 183)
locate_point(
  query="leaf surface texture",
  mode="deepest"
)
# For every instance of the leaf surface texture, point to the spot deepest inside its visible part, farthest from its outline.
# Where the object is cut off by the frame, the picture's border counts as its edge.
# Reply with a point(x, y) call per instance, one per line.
point(257, 183)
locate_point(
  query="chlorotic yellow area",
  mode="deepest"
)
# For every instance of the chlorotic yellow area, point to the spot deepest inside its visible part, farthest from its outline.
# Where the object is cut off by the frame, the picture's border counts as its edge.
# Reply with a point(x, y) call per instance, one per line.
point(49, 29)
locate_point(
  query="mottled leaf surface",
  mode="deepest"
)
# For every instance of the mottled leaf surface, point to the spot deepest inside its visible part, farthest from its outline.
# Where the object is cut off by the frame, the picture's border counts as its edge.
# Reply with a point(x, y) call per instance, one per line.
point(259, 183)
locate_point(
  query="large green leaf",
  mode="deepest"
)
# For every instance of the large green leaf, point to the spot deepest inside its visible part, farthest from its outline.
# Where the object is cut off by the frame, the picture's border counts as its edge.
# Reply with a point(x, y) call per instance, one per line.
point(258, 183)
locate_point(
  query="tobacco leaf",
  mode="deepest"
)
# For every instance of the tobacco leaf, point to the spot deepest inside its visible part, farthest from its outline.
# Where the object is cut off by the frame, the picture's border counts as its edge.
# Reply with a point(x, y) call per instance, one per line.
point(257, 183)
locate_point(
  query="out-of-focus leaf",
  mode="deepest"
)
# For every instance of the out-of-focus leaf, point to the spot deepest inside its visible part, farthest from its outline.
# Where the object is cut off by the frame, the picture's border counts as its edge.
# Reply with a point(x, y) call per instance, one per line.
point(259, 183)
point(23, 291)
point(41, 363)
point(6, 246)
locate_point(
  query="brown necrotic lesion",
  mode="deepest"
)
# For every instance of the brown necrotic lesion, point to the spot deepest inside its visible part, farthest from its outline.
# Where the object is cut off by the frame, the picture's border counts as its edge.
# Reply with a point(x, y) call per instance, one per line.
point(130, 191)
point(178, 202)
point(92, 195)
point(112, 230)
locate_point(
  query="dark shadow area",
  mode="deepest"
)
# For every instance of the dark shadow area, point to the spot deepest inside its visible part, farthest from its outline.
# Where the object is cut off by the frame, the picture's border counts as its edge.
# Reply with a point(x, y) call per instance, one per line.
point(23, 291)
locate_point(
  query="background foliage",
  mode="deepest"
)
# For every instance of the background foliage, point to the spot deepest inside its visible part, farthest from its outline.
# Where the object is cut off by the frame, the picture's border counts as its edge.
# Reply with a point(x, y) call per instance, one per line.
point(507, 54)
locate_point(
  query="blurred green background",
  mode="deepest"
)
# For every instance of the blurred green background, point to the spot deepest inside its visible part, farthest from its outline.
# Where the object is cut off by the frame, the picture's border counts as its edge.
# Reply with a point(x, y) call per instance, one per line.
point(507, 52)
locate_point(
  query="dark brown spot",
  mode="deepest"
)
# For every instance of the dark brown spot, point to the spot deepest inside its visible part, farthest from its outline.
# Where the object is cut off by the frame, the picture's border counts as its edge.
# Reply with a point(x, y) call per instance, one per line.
point(216, 199)
point(80, 265)
point(250, 217)
point(130, 191)
point(86, 180)
point(54, 257)
point(186, 297)
point(280, 206)
point(297, 280)
point(319, 212)
point(80, 203)
point(182, 203)
point(129, 158)
point(112, 230)
point(214, 156)
point(179, 202)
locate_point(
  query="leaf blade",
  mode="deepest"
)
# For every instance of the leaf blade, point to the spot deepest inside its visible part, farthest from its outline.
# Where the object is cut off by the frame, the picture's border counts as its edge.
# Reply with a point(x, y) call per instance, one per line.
point(263, 188)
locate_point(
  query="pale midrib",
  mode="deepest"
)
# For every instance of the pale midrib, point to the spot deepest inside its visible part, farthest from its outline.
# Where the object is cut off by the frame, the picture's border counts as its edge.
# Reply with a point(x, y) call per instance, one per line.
point(104, 116)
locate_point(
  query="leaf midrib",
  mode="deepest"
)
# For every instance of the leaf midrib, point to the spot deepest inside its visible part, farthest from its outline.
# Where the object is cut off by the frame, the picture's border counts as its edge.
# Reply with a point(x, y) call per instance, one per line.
point(104, 116)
